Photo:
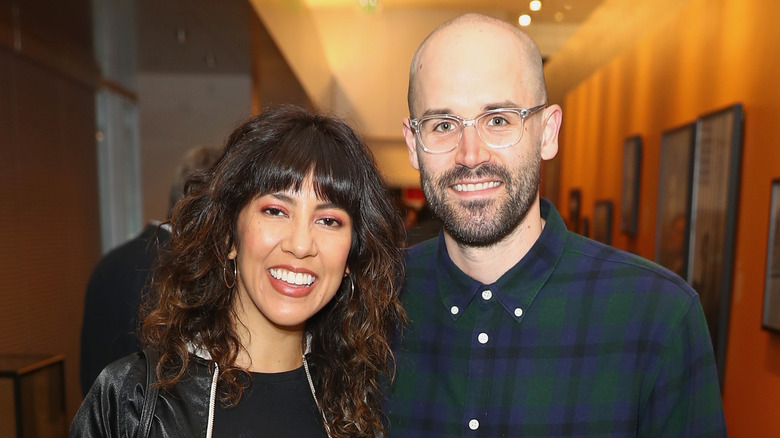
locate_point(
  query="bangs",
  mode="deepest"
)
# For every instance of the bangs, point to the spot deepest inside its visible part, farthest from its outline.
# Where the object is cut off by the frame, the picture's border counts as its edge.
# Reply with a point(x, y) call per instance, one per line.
point(309, 152)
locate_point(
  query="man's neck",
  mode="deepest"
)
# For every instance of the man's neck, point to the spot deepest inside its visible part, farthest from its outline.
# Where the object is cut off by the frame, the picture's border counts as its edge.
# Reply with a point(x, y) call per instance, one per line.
point(488, 264)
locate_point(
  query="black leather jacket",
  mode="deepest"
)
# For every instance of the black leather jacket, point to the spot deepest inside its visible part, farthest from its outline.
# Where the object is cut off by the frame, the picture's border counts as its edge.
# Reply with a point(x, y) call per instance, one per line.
point(112, 407)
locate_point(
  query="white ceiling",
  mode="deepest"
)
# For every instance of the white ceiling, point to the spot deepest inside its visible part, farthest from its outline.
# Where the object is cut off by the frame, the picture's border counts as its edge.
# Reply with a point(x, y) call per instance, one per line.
point(220, 30)
point(351, 60)
point(571, 11)
point(551, 26)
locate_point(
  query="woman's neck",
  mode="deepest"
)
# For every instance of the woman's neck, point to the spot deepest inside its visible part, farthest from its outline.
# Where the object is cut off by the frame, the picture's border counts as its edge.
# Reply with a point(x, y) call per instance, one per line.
point(267, 347)
point(270, 352)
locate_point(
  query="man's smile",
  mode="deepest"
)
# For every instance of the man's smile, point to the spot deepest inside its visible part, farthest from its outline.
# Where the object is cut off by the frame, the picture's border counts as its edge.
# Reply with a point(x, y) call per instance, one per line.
point(474, 187)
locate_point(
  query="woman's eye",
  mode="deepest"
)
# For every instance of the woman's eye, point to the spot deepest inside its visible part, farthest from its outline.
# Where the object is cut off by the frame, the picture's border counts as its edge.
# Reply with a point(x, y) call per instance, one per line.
point(271, 211)
point(330, 222)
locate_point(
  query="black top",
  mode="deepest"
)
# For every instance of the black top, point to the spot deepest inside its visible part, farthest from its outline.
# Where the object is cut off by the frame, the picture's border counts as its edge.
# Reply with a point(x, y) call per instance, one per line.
point(275, 405)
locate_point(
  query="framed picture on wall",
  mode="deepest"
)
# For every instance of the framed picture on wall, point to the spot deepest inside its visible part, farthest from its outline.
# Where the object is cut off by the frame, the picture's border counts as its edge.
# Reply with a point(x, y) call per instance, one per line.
point(716, 174)
point(586, 226)
point(575, 201)
point(675, 178)
point(602, 221)
point(629, 200)
point(771, 315)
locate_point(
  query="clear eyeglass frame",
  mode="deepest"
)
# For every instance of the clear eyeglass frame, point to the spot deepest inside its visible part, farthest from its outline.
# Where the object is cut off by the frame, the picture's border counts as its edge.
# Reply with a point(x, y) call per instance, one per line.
point(463, 123)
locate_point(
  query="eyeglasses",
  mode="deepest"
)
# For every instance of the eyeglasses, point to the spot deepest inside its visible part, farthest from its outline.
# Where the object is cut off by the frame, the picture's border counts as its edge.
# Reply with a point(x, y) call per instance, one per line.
point(498, 128)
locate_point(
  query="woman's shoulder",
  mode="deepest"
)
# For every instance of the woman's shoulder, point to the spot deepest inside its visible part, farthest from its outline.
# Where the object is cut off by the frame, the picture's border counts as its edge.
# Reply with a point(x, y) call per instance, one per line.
point(112, 405)
point(130, 369)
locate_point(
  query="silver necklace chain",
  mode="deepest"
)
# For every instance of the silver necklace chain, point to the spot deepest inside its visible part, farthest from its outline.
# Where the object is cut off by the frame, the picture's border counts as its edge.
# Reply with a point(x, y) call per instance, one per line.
point(314, 394)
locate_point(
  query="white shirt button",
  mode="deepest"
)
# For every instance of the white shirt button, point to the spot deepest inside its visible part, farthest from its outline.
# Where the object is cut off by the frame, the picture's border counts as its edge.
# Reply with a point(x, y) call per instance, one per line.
point(482, 338)
point(454, 310)
point(473, 424)
point(518, 312)
point(486, 295)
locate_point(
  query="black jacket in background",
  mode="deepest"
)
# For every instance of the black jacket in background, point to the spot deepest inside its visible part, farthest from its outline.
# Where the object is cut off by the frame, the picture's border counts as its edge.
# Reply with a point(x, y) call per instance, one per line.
point(111, 302)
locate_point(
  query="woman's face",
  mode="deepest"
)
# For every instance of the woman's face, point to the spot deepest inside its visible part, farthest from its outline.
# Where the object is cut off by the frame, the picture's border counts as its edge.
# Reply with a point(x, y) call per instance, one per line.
point(291, 257)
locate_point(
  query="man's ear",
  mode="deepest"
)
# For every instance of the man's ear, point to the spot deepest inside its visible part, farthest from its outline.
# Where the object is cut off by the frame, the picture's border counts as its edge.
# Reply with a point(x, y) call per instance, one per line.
point(411, 144)
point(552, 124)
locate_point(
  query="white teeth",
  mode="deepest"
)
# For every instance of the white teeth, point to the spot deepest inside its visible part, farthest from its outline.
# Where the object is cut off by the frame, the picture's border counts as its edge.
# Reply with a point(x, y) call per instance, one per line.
point(475, 187)
point(296, 278)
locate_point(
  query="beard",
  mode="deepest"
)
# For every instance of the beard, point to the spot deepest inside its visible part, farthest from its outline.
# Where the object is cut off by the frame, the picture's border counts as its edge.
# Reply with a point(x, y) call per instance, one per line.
point(484, 222)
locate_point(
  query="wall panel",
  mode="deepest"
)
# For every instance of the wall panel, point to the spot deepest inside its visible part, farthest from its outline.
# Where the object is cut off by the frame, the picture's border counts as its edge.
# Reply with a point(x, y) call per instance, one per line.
point(707, 55)
point(49, 228)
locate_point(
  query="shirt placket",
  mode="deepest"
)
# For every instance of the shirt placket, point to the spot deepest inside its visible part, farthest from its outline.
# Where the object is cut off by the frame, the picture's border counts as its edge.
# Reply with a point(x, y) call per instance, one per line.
point(481, 369)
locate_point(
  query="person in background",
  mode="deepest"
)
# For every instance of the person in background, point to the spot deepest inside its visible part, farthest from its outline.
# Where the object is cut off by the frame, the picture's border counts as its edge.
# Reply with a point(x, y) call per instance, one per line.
point(113, 294)
point(425, 227)
point(274, 309)
point(518, 327)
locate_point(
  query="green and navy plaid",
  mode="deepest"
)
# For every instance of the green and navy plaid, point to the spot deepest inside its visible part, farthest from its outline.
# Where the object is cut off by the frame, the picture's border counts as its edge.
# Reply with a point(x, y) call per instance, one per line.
point(578, 339)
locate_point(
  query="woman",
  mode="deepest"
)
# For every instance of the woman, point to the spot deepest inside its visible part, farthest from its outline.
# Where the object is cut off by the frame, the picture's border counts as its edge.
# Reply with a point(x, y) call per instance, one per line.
point(274, 306)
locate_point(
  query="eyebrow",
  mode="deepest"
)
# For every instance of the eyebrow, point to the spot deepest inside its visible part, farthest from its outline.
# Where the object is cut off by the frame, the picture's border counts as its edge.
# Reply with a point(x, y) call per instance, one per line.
point(487, 107)
point(291, 200)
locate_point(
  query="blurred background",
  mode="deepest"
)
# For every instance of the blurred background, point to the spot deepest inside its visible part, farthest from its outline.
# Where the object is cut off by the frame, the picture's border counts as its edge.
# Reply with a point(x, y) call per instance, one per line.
point(99, 99)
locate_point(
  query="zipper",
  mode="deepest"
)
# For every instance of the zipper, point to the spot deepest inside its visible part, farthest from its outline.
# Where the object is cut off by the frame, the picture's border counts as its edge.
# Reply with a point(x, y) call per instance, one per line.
point(314, 394)
point(212, 401)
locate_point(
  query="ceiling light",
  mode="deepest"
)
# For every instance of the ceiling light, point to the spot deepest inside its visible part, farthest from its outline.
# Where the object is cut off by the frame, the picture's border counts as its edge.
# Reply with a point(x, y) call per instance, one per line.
point(558, 17)
point(368, 5)
point(524, 20)
point(535, 5)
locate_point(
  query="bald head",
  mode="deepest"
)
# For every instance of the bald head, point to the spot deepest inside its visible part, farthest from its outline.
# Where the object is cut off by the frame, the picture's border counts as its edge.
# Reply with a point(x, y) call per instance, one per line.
point(452, 39)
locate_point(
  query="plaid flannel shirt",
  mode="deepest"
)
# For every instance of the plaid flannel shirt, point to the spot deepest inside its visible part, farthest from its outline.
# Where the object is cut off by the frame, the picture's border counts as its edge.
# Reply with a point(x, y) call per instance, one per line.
point(578, 339)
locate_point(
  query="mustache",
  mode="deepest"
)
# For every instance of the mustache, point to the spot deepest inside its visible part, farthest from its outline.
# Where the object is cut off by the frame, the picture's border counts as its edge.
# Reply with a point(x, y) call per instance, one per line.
point(459, 173)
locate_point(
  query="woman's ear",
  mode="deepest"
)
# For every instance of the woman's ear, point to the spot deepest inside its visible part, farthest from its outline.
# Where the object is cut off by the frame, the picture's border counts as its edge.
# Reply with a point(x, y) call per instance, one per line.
point(233, 251)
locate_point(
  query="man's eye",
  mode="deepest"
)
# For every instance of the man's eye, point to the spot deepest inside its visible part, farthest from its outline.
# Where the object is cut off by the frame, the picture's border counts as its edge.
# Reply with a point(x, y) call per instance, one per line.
point(444, 126)
point(498, 121)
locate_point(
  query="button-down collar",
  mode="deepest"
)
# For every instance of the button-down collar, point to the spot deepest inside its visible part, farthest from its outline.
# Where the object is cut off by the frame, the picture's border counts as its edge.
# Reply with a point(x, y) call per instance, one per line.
point(532, 272)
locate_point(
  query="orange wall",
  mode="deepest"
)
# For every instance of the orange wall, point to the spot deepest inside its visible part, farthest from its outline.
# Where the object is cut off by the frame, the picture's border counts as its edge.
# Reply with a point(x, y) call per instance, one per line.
point(710, 54)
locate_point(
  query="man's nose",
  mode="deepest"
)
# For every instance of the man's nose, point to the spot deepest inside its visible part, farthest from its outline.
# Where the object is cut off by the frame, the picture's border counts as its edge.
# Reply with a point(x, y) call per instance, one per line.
point(471, 151)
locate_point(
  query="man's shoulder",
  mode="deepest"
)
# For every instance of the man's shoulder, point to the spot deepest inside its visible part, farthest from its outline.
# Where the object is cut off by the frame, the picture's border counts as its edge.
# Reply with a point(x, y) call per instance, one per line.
point(421, 251)
point(583, 254)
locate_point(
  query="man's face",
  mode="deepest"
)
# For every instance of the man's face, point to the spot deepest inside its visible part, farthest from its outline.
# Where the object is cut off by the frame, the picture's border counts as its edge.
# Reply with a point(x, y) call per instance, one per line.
point(482, 216)
point(480, 194)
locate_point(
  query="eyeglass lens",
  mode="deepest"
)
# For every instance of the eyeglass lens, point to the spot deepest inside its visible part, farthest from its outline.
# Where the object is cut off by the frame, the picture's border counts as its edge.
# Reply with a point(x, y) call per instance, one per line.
point(497, 129)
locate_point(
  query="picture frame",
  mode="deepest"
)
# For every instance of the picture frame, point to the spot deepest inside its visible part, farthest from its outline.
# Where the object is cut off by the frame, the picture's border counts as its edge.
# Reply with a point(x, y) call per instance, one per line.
point(673, 213)
point(770, 318)
point(602, 221)
point(586, 226)
point(575, 207)
point(716, 176)
point(629, 200)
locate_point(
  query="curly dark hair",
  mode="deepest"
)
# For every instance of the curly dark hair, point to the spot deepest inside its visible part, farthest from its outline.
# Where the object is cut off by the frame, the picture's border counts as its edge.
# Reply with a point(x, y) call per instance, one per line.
point(192, 303)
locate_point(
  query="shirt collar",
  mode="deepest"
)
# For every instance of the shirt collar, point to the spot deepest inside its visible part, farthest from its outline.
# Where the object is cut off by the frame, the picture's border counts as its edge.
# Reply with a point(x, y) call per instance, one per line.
point(516, 289)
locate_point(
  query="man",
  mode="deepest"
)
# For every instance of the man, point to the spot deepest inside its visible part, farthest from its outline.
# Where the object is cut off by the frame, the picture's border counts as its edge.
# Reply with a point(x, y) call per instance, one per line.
point(519, 328)
point(115, 287)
